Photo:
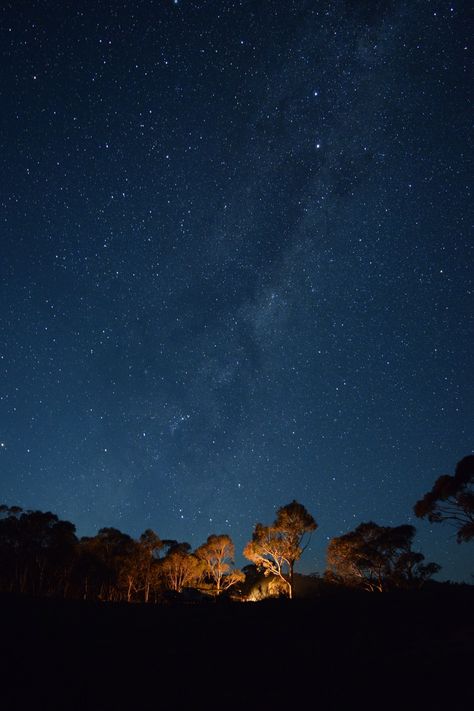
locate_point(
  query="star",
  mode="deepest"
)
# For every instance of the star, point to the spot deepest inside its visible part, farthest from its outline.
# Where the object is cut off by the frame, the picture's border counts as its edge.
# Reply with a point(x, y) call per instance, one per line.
point(250, 295)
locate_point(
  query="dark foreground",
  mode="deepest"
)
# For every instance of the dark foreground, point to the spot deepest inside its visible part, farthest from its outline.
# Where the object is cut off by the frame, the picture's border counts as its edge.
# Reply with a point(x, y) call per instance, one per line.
point(369, 651)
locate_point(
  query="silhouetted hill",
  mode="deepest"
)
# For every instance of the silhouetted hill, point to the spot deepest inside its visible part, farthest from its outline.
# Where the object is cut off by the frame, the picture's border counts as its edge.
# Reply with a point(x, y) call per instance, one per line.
point(385, 651)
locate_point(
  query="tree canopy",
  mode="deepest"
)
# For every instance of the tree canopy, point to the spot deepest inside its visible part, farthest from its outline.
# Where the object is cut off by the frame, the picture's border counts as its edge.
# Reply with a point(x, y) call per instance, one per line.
point(36, 551)
point(180, 568)
point(217, 555)
point(452, 499)
point(276, 548)
point(41, 555)
point(377, 558)
point(296, 524)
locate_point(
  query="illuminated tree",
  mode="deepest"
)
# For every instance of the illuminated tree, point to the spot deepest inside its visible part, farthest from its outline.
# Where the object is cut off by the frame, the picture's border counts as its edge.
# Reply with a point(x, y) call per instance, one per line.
point(294, 521)
point(275, 549)
point(377, 557)
point(270, 551)
point(452, 499)
point(217, 554)
point(180, 568)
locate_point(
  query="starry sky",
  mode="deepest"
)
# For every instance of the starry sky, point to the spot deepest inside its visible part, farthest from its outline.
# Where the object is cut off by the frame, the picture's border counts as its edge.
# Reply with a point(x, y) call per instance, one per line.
point(235, 263)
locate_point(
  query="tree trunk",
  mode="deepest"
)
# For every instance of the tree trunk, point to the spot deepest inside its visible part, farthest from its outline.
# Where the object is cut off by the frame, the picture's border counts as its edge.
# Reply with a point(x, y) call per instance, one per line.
point(290, 587)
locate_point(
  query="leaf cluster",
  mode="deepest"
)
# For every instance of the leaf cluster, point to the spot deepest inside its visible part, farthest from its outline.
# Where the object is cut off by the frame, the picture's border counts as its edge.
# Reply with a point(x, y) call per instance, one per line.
point(377, 558)
point(452, 500)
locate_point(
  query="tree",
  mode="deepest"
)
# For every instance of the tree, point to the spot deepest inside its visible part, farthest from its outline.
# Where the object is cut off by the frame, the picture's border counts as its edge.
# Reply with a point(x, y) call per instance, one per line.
point(275, 549)
point(377, 557)
point(269, 550)
point(410, 570)
point(217, 554)
point(295, 523)
point(114, 566)
point(36, 551)
point(452, 499)
point(180, 568)
point(138, 569)
point(149, 547)
point(110, 564)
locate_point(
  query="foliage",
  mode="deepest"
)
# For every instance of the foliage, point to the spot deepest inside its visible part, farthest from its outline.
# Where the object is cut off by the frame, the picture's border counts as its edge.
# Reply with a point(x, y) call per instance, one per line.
point(452, 499)
point(112, 562)
point(275, 549)
point(217, 555)
point(270, 551)
point(295, 522)
point(377, 558)
point(149, 547)
point(41, 555)
point(36, 551)
point(180, 568)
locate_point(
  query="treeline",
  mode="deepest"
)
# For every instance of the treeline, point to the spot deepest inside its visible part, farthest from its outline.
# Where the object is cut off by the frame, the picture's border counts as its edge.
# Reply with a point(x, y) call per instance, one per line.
point(41, 555)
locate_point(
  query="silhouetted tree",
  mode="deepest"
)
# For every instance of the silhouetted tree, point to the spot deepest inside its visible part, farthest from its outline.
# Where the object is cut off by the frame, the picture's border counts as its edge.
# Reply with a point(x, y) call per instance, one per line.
point(377, 557)
point(36, 551)
point(217, 554)
point(113, 555)
point(40, 555)
point(452, 499)
point(149, 547)
point(410, 570)
point(90, 570)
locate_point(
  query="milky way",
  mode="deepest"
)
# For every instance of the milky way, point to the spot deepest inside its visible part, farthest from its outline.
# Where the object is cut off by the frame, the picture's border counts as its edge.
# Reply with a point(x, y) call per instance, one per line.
point(236, 266)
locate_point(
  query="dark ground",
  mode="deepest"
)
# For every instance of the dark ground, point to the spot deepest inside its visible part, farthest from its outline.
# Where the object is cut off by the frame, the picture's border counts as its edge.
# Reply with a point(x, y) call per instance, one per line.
point(369, 651)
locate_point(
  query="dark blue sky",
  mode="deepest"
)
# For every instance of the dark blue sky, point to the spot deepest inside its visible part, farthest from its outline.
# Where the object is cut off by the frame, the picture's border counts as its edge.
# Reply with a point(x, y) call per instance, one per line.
point(236, 264)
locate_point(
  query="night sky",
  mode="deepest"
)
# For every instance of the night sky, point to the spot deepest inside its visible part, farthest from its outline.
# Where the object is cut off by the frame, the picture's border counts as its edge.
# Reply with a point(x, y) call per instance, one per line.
point(235, 264)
